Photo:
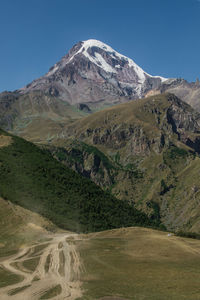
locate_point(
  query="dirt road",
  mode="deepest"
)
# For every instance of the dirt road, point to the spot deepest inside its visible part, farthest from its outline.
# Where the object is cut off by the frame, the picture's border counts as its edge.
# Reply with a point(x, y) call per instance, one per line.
point(57, 271)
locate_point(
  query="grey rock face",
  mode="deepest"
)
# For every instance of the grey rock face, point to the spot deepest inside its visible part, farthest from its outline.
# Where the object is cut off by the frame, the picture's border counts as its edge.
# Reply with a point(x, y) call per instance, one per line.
point(188, 92)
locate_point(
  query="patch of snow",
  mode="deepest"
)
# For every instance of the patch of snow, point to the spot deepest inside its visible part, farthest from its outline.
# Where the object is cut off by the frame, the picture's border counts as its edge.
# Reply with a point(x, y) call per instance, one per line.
point(163, 79)
point(54, 69)
point(118, 66)
point(104, 64)
point(99, 61)
point(160, 77)
point(113, 56)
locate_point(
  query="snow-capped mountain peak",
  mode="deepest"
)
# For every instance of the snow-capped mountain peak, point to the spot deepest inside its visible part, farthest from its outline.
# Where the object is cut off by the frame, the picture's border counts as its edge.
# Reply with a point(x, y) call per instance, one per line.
point(93, 71)
point(96, 58)
point(100, 61)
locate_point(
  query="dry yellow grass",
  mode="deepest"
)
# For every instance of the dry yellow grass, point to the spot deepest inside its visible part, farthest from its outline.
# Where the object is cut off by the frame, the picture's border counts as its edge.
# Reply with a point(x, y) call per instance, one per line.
point(139, 263)
point(19, 226)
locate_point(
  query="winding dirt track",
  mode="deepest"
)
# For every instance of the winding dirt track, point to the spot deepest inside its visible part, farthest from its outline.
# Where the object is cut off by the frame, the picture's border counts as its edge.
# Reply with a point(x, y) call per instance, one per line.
point(63, 269)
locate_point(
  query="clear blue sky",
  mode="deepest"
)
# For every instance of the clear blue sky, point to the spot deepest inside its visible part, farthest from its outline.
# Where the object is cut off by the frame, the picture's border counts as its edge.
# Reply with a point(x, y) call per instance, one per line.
point(162, 36)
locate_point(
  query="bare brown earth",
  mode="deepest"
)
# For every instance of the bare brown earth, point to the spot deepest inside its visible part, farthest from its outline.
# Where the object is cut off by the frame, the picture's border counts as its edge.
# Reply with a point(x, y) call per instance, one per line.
point(5, 140)
point(53, 269)
point(112, 298)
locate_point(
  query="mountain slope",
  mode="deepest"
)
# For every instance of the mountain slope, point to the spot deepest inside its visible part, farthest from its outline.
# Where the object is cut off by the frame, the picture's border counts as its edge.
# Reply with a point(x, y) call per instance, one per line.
point(43, 185)
point(144, 151)
point(36, 115)
point(188, 92)
point(19, 226)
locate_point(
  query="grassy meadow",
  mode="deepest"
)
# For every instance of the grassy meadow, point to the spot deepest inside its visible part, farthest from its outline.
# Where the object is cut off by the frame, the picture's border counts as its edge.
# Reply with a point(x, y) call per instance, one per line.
point(138, 263)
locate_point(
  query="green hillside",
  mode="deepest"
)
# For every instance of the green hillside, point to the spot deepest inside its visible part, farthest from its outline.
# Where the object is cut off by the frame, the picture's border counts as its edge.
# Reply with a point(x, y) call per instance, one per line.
point(144, 151)
point(33, 179)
